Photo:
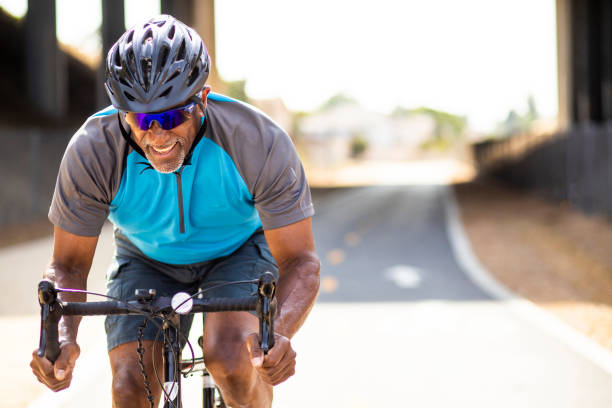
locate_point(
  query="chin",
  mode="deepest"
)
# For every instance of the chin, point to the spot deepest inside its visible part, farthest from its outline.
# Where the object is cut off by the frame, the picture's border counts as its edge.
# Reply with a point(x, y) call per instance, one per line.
point(166, 167)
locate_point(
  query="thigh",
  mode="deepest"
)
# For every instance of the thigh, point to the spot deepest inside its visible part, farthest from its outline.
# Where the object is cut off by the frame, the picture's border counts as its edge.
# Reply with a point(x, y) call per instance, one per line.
point(124, 277)
point(247, 263)
point(225, 335)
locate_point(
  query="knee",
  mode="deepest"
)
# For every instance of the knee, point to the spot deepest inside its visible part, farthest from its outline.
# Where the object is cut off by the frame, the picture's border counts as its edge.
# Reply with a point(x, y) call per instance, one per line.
point(233, 373)
point(229, 366)
point(128, 389)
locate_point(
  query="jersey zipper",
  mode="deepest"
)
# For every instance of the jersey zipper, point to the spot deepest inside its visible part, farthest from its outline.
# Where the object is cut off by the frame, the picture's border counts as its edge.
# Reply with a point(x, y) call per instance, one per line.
point(179, 190)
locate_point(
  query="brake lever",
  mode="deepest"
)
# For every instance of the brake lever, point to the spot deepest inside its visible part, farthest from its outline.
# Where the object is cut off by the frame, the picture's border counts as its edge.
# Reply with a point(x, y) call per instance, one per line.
point(50, 313)
point(266, 310)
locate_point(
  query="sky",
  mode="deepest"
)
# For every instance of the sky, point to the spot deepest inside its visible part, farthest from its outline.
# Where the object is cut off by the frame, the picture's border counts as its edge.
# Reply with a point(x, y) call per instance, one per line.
point(478, 58)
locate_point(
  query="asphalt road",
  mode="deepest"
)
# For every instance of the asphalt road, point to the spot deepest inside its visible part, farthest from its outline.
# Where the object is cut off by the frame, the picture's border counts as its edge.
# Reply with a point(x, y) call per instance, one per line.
point(397, 323)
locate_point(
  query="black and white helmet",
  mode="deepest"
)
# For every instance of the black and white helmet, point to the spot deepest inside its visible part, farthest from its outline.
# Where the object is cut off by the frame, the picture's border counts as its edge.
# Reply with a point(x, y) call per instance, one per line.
point(156, 65)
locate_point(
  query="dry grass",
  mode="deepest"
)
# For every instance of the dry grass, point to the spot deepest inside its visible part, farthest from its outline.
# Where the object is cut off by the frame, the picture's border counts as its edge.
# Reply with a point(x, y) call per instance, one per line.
point(546, 252)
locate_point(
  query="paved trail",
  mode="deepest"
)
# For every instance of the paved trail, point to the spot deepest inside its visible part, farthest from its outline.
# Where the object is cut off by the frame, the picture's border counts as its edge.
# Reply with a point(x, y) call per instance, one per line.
point(397, 322)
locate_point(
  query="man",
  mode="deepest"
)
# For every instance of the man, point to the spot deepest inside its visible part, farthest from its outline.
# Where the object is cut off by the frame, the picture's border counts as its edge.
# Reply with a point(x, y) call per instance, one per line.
point(202, 190)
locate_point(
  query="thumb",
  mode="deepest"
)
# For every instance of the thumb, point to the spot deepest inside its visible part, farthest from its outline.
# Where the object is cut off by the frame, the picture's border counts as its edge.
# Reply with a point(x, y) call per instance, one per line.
point(64, 363)
point(255, 352)
point(60, 369)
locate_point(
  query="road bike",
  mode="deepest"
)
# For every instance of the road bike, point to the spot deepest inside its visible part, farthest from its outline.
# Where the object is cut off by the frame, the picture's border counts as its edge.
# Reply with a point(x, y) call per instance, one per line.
point(163, 312)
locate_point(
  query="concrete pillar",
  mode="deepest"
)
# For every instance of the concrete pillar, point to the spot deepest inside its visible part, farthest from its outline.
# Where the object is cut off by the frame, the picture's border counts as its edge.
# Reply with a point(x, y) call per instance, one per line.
point(46, 68)
point(113, 26)
point(564, 65)
point(606, 49)
point(180, 9)
point(200, 15)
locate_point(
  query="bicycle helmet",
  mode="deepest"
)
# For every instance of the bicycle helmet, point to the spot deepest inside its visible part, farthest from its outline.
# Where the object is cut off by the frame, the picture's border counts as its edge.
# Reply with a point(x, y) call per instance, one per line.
point(155, 66)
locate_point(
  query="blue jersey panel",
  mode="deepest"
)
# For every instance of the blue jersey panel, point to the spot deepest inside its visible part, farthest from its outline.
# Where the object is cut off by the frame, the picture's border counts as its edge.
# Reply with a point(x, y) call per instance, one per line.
point(217, 207)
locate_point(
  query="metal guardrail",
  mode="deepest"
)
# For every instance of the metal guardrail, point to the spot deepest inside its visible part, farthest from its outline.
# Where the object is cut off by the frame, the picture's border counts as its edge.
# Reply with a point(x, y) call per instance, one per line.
point(573, 166)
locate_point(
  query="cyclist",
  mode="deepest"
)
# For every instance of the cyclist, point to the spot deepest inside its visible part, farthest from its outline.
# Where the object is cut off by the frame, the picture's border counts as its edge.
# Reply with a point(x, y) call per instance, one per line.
point(201, 189)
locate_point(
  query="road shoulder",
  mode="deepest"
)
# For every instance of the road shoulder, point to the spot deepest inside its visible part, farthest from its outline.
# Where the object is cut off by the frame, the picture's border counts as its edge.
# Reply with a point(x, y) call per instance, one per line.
point(554, 256)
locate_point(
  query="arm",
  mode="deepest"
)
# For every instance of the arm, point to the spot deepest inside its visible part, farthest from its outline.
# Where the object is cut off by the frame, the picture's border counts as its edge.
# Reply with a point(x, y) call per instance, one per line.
point(298, 284)
point(69, 268)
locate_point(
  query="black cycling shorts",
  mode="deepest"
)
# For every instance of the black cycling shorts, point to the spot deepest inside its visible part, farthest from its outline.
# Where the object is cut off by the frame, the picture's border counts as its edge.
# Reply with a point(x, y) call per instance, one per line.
point(131, 270)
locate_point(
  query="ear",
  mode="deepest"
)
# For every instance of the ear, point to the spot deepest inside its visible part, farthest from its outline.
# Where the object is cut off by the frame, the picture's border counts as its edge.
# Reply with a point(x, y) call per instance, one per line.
point(205, 92)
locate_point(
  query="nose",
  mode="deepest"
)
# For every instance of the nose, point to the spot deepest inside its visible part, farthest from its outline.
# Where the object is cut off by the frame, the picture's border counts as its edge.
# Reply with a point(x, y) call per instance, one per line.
point(156, 130)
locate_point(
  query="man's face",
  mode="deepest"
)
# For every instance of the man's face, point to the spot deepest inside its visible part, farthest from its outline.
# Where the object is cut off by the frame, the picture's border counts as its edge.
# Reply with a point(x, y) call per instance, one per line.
point(166, 149)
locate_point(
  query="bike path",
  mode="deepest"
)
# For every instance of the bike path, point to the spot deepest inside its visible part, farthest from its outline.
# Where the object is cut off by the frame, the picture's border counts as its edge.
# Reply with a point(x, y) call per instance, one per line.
point(401, 324)
point(397, 323)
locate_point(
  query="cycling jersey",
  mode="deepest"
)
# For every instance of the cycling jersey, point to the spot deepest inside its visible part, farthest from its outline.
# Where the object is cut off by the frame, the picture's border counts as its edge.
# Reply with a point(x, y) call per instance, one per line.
point(242, 175)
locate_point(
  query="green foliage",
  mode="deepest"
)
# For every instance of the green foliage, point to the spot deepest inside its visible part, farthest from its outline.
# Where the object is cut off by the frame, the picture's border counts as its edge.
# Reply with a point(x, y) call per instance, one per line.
point(338, 100)
point(517, 123)
point(237, 90)
point(358, 146)
point(448, 127)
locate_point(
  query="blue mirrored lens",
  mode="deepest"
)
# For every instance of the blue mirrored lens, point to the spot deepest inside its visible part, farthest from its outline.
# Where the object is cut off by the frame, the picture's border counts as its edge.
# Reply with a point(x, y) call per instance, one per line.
point(167, 120)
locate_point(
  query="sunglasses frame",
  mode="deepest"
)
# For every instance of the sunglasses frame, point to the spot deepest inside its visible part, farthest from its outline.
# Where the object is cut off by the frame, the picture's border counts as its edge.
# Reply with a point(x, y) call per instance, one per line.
point(167, 120)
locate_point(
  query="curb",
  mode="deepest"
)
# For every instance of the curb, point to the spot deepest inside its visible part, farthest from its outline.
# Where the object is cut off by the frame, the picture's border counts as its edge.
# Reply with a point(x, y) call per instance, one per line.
point(522, 307)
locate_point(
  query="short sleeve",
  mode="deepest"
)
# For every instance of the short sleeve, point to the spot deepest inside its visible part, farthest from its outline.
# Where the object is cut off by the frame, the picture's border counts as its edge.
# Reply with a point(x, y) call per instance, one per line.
point(85, 182)
point(281, 193)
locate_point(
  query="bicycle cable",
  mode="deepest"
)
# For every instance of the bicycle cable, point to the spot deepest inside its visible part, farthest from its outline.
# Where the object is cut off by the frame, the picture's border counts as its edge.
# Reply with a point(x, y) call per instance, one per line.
point(148, 317)
point(202, 291)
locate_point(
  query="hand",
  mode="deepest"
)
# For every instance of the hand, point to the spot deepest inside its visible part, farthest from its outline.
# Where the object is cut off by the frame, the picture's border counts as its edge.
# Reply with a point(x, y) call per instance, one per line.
point(276, 366)
point(56, 376)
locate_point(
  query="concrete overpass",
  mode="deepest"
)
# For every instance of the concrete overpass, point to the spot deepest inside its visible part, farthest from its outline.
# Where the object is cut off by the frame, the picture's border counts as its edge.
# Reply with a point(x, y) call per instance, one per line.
point(46, 76)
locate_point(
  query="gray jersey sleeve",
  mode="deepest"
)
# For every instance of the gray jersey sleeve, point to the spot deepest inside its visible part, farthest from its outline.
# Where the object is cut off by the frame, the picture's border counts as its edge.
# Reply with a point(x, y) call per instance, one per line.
point(88, 177)
point(267, 160)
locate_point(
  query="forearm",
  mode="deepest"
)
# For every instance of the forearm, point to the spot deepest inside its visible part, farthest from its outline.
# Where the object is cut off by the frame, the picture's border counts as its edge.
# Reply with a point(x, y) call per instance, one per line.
point(297, 290)
point(74, 278)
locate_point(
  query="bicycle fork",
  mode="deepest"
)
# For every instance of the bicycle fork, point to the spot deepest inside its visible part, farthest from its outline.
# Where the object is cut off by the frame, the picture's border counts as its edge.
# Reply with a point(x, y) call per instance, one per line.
point(172, 377)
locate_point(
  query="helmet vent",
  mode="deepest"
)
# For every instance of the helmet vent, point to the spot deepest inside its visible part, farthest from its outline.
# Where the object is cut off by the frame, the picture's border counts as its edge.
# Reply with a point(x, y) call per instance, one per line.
point(131, 60)
point(171, 32)
point(161, 23)
point(148, 35)
point(194, 75)
point(166, 92)
point(145, 64)
point(123, 81)
point(163, 57)
point(129, 96)
point(130, 37)
point(117, 57)
point(181, 52)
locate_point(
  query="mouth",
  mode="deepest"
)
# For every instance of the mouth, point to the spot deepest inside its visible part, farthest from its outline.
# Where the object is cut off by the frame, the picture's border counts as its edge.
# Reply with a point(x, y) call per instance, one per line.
point(162, 151)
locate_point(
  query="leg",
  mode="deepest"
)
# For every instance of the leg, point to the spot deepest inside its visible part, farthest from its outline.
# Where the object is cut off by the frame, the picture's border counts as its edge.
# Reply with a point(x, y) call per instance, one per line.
point(128, 383)
point(228, 361)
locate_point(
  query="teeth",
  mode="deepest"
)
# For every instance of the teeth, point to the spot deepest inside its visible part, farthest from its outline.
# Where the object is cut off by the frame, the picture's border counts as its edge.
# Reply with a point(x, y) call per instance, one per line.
point(162, 150)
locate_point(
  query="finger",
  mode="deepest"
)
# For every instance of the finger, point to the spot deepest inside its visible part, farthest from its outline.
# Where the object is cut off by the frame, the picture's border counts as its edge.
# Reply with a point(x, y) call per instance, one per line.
point(281, 375)
point(277, 354)
point(41, 366)
point(286, 365)
point(256, 354)
point(65, 362)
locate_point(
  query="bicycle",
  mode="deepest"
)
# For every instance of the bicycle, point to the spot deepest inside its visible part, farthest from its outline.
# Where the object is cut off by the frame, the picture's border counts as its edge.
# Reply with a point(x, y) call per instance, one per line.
point(149, 305)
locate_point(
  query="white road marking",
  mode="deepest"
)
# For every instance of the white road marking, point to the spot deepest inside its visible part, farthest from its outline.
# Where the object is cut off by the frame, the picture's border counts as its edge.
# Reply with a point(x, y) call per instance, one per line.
point(404, 276)
point(538, 317)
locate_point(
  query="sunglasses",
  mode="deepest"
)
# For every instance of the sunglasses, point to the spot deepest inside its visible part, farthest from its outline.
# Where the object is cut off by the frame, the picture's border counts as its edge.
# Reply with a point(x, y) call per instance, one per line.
point(167, 120)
